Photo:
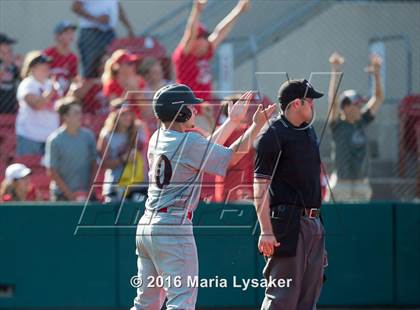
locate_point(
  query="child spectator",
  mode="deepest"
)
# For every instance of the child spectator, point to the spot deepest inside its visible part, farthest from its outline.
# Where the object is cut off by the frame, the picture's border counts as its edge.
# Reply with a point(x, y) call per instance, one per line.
point(36, 95)
point(71, 154)
point(122, 142)
point(98, 20)
point(350, 115)
point(16, 186)
point(9, 75)
point(64, 62)
point(194, 52)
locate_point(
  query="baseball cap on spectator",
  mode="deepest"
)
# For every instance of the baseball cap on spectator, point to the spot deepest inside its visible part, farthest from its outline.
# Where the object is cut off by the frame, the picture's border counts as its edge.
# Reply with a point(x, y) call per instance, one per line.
point(202, 31)
point(349, 97)
point(41, 59)
point(31, 59)
point(127, 57)
point(64, 25)
point(16, 172)
point(296, 89)
point(4, 39)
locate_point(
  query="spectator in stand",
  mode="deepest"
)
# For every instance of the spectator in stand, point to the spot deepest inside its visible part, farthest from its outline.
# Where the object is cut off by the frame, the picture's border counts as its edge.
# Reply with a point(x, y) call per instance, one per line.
point(122, 142)
point(350, 115)
point(16, 186)
point(36, 95)
point(194, 52)
point(9, 75)
point(120, 76)
point(98, 20)
point(64, 62)
point(151, 71)
point(71, 154)
point(90, 91)
point(237, 185)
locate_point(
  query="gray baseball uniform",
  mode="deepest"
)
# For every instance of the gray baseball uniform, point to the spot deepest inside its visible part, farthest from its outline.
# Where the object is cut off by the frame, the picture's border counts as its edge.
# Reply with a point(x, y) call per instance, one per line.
point(165, 242)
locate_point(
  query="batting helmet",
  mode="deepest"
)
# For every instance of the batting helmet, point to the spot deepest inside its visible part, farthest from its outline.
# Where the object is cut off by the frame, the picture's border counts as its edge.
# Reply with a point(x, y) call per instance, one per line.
point(170, 103)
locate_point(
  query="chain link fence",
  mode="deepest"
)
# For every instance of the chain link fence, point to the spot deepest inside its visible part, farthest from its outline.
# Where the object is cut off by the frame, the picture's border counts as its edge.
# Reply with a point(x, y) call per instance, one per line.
point(270, 37)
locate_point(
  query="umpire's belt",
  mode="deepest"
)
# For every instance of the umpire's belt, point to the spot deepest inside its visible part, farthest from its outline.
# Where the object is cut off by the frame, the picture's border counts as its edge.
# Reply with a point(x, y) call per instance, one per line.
point(279, 210)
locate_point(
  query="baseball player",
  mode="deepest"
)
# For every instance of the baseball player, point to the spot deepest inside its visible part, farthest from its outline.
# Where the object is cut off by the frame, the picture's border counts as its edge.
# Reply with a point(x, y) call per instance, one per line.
point(287, 197)
point(167, 254)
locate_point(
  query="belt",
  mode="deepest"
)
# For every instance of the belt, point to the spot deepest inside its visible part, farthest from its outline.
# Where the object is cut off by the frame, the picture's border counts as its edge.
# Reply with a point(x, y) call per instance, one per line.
point(312, 213)
point(166, 210)
point(278, 210)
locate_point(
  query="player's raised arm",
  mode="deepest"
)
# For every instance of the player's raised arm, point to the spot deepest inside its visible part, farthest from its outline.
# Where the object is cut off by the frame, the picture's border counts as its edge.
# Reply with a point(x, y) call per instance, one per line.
point(336, 60)
point(223, 29)
point(244, 143)
point(236, 113)
point(191, 30)
point(378, 96)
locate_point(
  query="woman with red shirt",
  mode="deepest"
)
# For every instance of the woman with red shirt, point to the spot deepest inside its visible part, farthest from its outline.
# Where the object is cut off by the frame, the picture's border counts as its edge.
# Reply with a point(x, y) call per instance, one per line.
point(120, 77)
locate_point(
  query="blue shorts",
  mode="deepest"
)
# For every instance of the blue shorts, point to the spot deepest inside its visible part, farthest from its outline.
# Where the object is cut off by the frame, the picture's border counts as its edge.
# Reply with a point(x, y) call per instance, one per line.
point(25, 146)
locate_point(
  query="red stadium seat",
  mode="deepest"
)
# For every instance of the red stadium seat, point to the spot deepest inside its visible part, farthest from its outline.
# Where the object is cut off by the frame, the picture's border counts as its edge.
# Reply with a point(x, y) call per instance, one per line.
point(142, 46)
point(31, 161)
point(7, 138)
point(7, 121)
point(7, 145)
point(409, 114)
point(145, 47)
point(42, 182)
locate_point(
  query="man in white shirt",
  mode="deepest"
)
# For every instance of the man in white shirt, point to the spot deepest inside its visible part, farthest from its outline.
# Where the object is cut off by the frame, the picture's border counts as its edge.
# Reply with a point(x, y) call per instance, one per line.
point(98, 20)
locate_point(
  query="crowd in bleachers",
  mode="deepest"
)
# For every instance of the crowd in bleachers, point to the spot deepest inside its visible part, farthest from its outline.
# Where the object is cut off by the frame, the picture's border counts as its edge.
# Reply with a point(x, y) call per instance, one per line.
point(77, 123)
point(73, 119)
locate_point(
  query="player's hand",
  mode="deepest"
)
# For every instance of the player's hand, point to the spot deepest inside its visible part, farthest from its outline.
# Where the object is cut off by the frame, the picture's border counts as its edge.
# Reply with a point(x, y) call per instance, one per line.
point(336, 60)
point(267, 243)
point(244, 5)
point(237, 111)
point(200, 4)
point(261, 116)
point(375, 64)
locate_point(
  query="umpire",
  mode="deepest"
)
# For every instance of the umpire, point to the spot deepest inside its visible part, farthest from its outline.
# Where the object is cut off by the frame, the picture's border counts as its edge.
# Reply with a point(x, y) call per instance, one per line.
point(287, 195)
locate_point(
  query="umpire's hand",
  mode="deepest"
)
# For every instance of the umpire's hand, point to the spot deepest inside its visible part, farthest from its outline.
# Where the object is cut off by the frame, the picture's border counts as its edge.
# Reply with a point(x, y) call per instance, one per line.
point(266, 244)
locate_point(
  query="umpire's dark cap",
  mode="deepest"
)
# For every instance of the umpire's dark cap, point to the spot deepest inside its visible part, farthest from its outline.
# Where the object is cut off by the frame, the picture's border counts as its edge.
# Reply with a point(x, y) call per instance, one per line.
point(297, 89)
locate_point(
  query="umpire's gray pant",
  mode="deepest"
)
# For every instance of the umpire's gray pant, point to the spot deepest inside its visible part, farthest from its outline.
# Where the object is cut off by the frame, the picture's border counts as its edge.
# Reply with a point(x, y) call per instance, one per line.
point(306, 270)
point(167, 257)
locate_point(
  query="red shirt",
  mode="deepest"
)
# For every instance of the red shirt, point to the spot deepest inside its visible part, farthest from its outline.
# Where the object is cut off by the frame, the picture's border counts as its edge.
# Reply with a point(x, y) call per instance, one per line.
point(95, 102)
point(194, 71)
point(63, 67)
point(113, 88)
point(239, 179)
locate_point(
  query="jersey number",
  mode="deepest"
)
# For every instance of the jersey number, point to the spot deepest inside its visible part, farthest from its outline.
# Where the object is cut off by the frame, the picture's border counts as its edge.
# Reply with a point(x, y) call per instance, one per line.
point(164, 164)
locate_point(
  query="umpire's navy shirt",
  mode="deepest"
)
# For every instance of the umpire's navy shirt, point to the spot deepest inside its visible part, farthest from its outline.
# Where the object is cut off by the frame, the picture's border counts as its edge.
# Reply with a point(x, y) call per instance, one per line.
point(290, 159)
